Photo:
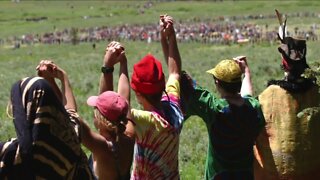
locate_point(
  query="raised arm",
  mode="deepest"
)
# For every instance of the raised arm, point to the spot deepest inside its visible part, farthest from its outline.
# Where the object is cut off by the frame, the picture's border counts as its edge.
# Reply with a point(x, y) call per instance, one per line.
point(170, 46)
point(115, 53)
point(46, 73)
point(67, 93)
point(123, 83)
point(48, 70)
point(124, 90)
point(164, 39)
point(246, 87)
point(111, 57)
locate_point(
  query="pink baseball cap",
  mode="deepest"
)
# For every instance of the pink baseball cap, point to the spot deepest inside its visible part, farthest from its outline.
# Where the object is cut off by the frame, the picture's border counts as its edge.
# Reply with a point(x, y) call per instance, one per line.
point(110, 104)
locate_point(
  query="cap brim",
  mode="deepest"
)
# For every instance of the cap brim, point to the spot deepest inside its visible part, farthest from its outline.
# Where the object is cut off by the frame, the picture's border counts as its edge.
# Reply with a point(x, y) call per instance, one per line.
point(92, 101)
point(211, 71)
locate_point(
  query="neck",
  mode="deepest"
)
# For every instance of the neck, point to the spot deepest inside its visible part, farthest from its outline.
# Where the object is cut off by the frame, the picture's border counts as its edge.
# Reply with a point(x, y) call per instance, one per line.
point(147, 106)
point(110, 136)
point(235, 99)
point(150, 107)
point(231, 96)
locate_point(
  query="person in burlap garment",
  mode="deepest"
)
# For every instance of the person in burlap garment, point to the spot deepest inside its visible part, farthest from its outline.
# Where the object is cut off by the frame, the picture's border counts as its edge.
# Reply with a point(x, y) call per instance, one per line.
point(289, 146)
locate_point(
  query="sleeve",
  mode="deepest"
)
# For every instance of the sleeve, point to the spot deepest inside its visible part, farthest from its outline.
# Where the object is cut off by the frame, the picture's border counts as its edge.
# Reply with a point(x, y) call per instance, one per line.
point(202, 103)
point(146, 121)
point(173, 90)
point(142, 120)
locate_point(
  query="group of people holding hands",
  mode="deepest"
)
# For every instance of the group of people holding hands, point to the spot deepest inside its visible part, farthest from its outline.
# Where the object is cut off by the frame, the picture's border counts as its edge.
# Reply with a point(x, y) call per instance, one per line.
point(131, 143)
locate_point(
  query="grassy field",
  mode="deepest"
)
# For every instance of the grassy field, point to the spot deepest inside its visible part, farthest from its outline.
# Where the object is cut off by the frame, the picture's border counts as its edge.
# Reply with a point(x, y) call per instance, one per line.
point(66, 14)
point(83, 63)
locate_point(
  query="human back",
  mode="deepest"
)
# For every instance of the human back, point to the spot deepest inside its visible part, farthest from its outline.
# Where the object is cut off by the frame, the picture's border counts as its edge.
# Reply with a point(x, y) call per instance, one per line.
point(289, 147)
point(119, 160)
point(234, 131)
point(112, 145)
point(233, 120)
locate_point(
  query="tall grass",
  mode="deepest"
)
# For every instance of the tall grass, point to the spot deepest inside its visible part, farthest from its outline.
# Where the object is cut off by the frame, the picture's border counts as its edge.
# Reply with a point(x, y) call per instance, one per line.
point(83, 66)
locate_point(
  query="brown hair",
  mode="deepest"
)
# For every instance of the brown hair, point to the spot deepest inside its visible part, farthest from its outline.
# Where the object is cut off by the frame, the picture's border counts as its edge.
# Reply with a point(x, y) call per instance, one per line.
point(230, 87)
point(153, 99)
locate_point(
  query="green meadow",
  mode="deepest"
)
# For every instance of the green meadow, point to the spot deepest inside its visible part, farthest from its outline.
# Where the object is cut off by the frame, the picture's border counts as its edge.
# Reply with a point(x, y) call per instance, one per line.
point(83, 63)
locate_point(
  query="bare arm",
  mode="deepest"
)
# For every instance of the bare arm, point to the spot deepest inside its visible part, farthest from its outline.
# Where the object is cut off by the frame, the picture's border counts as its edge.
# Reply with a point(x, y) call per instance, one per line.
point(68, 97)
point(124, 90)
point(42, 71)
point(246, 87)
point(115, 53)
point(123, 84)
point(106, 82)
point(92, 140)
point(171, 48)
point(111, 57)
point(164, 38)
point(48, 70)
point(67, 94)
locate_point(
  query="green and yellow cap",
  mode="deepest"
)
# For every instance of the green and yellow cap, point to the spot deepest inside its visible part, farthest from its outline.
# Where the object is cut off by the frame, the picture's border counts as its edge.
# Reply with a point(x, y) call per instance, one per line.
point(227, 70)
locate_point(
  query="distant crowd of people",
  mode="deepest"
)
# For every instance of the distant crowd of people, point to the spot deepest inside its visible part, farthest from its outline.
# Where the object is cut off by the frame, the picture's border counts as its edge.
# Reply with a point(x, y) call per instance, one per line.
point(221, 30)
point(250, 137)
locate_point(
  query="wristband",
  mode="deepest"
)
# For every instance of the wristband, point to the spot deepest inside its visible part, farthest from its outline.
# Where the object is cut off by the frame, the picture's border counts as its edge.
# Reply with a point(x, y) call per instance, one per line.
point(106, 70)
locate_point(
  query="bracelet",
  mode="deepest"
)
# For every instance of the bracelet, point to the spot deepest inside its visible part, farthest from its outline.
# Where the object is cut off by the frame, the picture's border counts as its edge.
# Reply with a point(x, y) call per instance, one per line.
point(107, 70)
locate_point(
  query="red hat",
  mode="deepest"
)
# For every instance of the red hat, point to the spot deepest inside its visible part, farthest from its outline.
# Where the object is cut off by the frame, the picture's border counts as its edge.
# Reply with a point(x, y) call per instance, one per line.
point(110, 104)
point(147, 76)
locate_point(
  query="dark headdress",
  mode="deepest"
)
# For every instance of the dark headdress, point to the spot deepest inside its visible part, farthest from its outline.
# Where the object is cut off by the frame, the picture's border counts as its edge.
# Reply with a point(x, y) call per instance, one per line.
point(293, 51)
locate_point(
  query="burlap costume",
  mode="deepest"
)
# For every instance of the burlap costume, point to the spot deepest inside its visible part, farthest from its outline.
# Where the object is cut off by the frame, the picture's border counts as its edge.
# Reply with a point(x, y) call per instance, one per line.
point(289, 147)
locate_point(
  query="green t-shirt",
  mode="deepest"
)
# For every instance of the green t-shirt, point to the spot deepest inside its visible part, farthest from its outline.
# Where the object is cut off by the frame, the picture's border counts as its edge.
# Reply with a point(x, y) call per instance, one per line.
point(232, 131)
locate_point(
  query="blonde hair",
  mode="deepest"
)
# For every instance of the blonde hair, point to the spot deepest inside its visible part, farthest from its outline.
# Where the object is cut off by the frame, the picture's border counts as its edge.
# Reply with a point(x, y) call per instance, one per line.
point(117, 127)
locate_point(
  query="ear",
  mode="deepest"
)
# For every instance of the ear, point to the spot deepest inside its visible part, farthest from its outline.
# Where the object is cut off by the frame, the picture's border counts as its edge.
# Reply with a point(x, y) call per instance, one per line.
point(139, 97)
point(138, 94)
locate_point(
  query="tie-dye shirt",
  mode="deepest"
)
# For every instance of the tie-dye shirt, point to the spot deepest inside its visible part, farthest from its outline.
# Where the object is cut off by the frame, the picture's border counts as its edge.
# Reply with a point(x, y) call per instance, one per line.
point(157, 137)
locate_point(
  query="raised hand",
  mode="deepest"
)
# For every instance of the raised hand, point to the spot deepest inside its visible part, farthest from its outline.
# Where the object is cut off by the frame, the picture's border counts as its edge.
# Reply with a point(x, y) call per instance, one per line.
point(113, 54)
point(242, 61)
point(246, 87)
point(48, 70)
point(166, 25)
point(169, 46)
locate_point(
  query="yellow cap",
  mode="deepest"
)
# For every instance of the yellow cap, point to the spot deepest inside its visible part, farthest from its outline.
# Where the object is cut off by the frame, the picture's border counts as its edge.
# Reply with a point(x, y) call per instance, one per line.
point(227, 70)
